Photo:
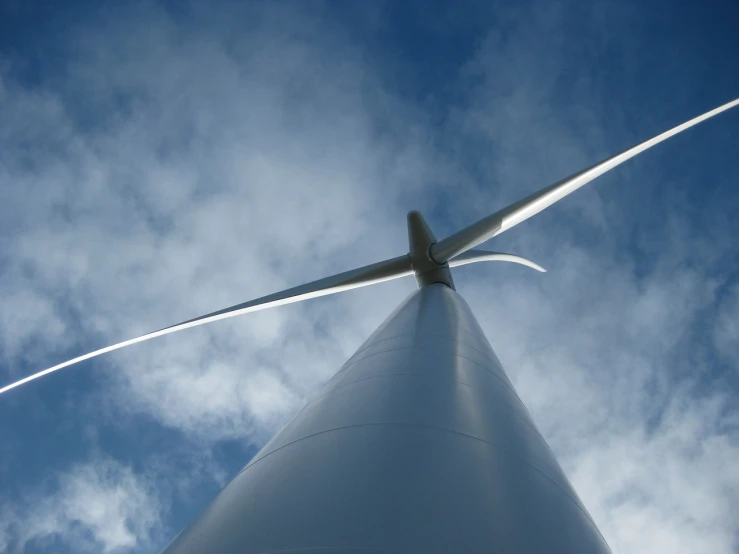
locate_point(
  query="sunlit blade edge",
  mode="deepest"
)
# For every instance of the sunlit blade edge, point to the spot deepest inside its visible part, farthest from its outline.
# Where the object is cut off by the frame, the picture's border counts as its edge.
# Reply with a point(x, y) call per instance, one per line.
point(566, 186)
point(472, 256)
point(505, 219)
point(361, 277)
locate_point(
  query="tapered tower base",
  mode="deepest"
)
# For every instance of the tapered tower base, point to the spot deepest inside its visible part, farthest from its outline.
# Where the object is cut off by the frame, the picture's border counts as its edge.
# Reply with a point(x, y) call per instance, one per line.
point(419, 444)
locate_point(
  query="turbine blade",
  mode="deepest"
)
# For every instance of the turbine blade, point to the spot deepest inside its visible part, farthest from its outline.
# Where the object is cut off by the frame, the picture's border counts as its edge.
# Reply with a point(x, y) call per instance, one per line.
point(361, 277)
point(472, 256)
point(501, 221)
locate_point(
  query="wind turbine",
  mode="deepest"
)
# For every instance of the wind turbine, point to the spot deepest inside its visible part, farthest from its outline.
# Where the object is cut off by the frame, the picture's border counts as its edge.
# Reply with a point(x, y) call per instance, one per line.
point(419, 443)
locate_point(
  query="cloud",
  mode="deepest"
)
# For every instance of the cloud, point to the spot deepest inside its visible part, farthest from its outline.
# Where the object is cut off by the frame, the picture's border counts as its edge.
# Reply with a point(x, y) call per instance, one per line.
point(220, 179)
point(97, 506)
point(726, 331)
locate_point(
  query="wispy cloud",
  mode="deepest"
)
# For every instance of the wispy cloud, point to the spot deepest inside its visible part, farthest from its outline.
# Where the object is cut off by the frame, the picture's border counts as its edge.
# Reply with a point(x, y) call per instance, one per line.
point(101, 505)
point(726, 332)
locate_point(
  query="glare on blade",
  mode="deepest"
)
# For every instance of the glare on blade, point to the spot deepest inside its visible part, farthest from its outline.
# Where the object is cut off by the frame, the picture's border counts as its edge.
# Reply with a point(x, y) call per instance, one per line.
point(367, 275)
point(501, 221)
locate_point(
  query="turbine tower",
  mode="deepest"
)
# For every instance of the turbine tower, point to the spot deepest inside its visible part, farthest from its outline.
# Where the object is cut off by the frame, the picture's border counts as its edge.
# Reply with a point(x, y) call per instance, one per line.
point(419, 443)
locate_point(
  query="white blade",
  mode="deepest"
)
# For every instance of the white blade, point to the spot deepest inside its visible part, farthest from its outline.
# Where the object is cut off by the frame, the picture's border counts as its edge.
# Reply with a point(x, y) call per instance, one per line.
point(361, 277)
point(472, 256)
point(514, 214)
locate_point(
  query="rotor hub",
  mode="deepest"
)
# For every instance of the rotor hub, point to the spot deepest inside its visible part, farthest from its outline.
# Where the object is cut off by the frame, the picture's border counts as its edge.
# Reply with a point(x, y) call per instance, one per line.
point(420, 240)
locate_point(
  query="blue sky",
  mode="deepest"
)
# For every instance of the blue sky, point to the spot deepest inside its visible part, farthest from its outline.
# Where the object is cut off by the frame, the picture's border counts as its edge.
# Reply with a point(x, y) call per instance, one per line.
point(162, 160)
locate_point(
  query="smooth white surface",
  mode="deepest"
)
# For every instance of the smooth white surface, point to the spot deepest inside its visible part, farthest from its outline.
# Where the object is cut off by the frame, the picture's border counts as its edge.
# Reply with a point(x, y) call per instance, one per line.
point(419, 443)
point(497, 223)
point(472, 256)
point(367, 275)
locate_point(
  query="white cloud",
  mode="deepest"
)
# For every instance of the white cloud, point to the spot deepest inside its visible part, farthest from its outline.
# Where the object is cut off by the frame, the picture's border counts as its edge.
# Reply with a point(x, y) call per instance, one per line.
point(223, 179)
point(96, 506)
point(23, 310)
point(726, 331)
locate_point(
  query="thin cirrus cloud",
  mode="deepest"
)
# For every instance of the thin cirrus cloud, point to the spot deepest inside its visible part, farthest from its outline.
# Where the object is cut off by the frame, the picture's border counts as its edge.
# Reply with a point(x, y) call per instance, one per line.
point(178, 168)
point(97, 503)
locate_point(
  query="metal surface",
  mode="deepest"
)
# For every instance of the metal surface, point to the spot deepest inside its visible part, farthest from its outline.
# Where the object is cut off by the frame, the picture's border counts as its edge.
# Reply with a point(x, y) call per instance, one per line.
point(501, 221)
point(416, 262)
point(361, 277)
point(472, 256)
point(418, 444)
point(420, 239)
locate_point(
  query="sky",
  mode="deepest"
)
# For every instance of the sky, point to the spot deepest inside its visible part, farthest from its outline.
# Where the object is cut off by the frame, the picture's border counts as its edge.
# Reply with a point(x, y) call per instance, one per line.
point(160, 160)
